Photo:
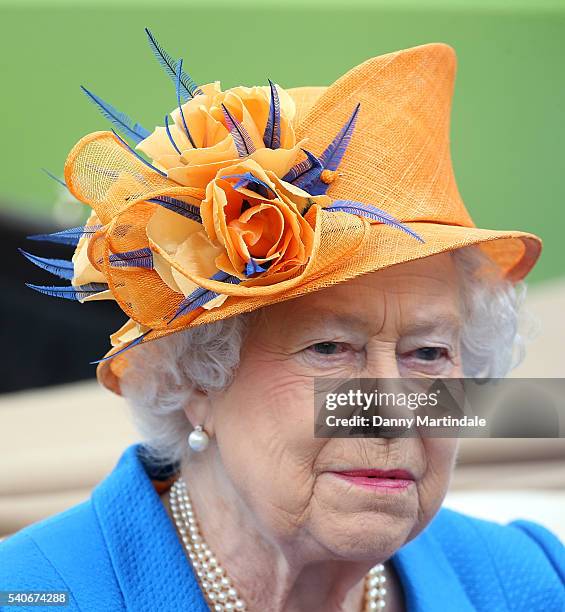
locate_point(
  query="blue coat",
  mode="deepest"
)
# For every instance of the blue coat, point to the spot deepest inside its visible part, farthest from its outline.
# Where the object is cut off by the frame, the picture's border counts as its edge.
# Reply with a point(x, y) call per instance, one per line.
point(119, 551)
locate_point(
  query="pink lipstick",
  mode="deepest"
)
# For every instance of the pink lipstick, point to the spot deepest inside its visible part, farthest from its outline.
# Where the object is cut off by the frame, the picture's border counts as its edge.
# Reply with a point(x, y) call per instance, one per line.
point(378, 479)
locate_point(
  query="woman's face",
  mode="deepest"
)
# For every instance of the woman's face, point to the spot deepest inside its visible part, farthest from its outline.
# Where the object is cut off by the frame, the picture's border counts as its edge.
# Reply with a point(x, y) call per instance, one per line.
point(403, 321)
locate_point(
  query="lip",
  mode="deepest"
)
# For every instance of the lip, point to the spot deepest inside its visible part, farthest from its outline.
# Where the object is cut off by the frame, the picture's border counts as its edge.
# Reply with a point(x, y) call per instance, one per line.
point(398, 479)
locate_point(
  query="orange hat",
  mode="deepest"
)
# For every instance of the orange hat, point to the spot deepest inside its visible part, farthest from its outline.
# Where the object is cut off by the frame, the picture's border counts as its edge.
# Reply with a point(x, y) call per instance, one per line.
point(256, 195)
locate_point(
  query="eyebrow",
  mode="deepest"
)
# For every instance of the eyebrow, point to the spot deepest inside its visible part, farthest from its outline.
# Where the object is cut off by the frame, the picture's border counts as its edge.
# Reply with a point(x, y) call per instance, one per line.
point(446, 321)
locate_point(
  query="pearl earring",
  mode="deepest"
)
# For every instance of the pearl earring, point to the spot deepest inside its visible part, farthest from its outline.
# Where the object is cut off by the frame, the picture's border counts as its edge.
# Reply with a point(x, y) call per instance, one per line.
point(198, 439)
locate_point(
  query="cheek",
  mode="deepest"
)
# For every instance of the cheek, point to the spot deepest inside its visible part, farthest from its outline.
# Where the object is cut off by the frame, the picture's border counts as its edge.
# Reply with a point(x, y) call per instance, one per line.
point(264, 430)
point(440, 454)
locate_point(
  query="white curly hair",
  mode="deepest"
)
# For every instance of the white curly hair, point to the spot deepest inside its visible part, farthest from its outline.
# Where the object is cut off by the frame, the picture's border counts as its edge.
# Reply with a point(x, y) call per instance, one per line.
point(163, 374)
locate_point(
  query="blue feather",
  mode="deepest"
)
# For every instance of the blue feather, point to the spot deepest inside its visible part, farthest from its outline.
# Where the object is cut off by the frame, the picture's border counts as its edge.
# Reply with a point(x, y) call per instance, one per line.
point(141, 159)
point(306, 171)
point(55, 178)
point(272, 135)
point(371, 212)
point(247, 178)
point(139, 258)
point(182, 208)
point(179, 103)
point(201, 295)
point(70, 292)
point(333, 154)
point(125, 348)
point(240, 135)
point(221, 276)
point(251, 267)
point(59, 267)
point(69, 236)
point(188, 87)
point(331, 157)
point(203, 298)
point(170, 136)
point(132, 130)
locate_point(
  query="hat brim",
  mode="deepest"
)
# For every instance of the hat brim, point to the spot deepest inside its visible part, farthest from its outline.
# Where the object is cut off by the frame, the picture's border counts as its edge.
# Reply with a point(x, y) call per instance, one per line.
point(382, 246)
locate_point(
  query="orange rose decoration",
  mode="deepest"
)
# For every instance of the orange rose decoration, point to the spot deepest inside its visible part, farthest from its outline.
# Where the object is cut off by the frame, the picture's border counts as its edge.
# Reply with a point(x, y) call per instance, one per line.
point(224, 200)
point(199, 142)
point(261, 222)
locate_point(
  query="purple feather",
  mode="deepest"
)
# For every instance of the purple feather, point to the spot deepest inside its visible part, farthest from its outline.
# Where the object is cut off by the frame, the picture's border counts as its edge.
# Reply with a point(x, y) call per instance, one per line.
point(179, 103)
point(371, 212)
point(333, 154)
point(125, 348)
point(132, 130)
point(55, 178)
point(189, 87)
point(331, 157)
point(201, 295)
point(240, 135)
point(252, 267)
point(220, 275)
point(246, 178)
point(312, 170)
point(59, 267)
point(170, 136)
point(301, 167)
point(139, 258)
point(203, 298)
point(272, 135)
point(69, 236)
point(141, 159)
point(182, 208)
point(70, 292)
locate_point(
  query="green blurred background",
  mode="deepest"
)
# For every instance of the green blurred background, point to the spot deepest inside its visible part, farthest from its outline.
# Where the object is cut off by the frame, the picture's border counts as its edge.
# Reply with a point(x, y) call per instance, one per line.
point(508, 122)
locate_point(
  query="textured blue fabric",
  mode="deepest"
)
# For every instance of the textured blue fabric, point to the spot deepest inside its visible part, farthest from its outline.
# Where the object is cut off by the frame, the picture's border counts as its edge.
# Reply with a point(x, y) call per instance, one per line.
point(119, 551)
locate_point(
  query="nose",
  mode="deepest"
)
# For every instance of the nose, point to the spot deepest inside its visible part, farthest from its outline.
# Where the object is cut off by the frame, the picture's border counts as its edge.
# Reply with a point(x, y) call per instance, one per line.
point(381, 360)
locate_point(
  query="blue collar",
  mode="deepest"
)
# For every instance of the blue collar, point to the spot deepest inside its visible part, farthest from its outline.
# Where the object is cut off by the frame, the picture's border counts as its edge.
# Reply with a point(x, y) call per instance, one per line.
point(147, 555)
point(153, 572)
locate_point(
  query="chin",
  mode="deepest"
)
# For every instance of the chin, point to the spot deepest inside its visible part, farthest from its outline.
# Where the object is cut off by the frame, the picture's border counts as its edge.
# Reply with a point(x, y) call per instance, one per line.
point(369, 534)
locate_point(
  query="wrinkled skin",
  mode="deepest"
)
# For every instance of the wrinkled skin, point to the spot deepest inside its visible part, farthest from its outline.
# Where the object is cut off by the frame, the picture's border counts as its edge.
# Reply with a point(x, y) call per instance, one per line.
point(292, 535)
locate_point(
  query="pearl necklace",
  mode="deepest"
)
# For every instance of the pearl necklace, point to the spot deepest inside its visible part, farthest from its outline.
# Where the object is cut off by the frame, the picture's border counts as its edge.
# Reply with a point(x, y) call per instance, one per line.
point(218, 588)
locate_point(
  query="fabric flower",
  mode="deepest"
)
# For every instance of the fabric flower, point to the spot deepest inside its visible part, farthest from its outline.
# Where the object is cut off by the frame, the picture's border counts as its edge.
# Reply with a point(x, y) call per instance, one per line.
point(171, 150)
point(128, 332)
point(224, 209)
point(260, 238)
point(184, 240)
point(258, 221)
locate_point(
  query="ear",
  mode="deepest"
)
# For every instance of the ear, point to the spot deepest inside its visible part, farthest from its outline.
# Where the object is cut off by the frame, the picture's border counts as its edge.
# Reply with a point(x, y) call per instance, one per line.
point(198, 411)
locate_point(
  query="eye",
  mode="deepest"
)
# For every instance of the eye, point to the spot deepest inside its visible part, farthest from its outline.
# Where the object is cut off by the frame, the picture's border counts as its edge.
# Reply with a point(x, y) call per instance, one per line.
point(430, 353)
point(327, 348)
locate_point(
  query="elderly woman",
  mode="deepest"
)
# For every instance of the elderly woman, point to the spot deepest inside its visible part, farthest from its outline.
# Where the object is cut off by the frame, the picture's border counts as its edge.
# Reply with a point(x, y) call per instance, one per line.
point(244, 282)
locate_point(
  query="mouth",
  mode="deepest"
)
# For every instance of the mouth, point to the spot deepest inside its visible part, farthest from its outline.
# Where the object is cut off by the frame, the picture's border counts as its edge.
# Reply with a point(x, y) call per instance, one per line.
point(398, 479)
